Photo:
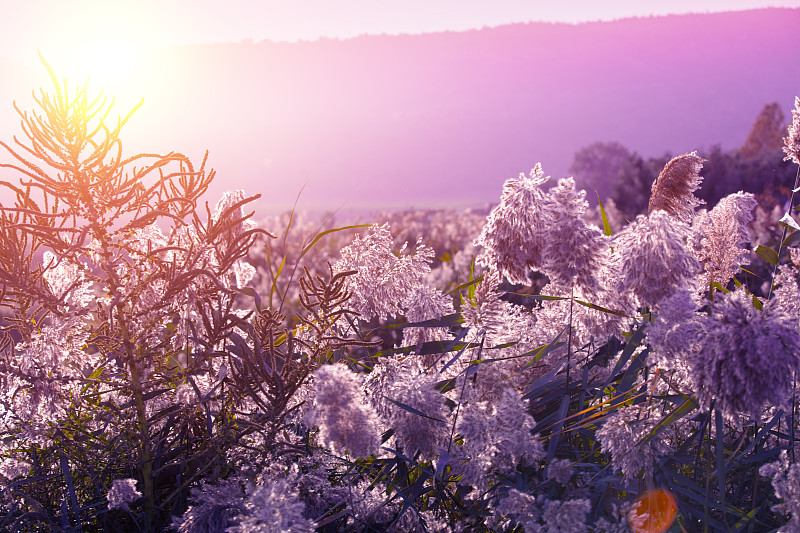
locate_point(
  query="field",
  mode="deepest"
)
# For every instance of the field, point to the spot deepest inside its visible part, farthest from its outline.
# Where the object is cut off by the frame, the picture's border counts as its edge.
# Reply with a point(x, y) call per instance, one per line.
point(545, 366)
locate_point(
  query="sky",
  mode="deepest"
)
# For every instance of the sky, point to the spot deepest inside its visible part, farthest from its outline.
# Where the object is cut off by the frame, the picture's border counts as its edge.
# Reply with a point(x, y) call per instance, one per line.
point(83, 35)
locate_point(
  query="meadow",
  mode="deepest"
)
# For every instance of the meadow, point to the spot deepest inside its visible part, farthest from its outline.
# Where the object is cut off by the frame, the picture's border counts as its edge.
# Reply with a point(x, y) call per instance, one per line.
point(544, 367)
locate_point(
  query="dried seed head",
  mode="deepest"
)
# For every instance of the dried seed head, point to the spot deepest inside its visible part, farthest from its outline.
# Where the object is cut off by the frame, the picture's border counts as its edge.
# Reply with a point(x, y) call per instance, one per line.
point(792, 140)
point(672, 190)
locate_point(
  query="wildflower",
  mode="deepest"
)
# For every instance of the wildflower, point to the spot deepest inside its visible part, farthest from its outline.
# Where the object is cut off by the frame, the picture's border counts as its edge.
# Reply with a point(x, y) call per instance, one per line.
point(786, 482)
point(384, 281)
point(511, 238)
point(345, 422)
point(673, 189)
point(484, 312)
point(122, 492)
point(620, 435)
point(747, 356)
point(573, 250)
point(426, 303)
point(721, 235)
point(792, 140)
point(214, 508)
point(651, 258)
point(560, 470)
point(273, 508)
point(497, 437)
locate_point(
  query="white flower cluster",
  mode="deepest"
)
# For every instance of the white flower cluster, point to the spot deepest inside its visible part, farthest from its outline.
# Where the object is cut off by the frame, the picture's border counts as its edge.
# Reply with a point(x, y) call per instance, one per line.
point(620, 436)
point(345, 422)
point(792, 140)
point(786, 482)
point(122, 493)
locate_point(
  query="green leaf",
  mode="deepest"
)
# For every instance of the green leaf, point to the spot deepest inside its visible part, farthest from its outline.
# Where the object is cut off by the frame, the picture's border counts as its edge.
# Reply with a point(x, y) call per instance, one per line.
point(541, 352)
point(792, 240)
point(606, 225)
point(599, 308)
point(470, 283)
point(689, 405)
point(413, 411)
point(471, 291)
point(767, 254)
point(320, 235)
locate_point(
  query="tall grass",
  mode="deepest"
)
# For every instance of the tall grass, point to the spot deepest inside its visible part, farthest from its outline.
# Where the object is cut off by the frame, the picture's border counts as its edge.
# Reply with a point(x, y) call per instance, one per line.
point(165, 366)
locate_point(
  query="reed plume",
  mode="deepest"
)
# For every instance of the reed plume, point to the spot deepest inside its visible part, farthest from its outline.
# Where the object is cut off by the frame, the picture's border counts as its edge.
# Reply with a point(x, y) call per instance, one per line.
point(673, 189)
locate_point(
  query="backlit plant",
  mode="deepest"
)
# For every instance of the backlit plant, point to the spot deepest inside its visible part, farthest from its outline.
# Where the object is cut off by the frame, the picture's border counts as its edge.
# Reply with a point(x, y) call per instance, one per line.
point(164, 365)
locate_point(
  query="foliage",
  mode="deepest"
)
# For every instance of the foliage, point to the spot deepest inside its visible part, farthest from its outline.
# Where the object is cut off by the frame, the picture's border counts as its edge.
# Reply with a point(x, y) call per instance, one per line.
point(757, 167)
point(152, 378)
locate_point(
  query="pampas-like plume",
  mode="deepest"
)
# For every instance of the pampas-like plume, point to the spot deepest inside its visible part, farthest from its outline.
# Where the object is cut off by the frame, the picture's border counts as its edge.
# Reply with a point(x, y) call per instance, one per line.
point(792, 140)
point(672, 189)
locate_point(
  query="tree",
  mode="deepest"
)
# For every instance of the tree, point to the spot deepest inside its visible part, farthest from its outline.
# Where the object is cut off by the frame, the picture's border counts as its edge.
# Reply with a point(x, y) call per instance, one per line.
point(597, 166)
point(767, 133)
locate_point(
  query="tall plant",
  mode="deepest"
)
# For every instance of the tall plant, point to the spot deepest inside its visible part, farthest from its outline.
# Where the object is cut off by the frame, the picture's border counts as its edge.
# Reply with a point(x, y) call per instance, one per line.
point(117, 293)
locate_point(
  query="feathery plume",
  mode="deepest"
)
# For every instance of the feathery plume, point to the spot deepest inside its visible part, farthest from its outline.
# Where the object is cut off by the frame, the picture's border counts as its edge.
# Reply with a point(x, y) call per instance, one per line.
point(273, 508)
point(786, 482)
point(512, 235)
point(214, 508)
point(384, 281)
point(721, 234)
point(484, 312)
point(792, 140)
point(497, 436)
point(673, 189)
point(651, 258)
point(620, 436)
point(747, 356)
point(573, 250)
point(345, 422)
point(122, 492)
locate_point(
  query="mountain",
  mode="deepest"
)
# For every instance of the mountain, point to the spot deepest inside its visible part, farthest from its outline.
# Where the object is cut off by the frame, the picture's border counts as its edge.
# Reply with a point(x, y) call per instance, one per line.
point(445, 118)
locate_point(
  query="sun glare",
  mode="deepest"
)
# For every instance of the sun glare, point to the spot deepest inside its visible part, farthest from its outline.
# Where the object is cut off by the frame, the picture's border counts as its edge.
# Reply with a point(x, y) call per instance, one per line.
point(103, 65)
point(99, 44)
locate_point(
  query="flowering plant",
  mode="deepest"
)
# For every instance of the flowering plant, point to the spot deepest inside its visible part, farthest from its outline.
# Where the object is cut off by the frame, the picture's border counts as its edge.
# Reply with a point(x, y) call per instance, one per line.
point(159, 370)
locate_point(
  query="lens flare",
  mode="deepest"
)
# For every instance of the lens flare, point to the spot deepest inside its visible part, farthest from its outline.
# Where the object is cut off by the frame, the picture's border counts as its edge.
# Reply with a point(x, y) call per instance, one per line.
point(653, 512)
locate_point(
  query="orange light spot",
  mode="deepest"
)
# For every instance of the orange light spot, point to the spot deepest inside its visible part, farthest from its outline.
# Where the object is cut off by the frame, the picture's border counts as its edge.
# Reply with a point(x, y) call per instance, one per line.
point(653, 512)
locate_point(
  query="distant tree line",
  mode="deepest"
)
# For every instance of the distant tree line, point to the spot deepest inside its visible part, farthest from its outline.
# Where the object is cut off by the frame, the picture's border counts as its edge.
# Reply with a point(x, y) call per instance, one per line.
point(757, 167)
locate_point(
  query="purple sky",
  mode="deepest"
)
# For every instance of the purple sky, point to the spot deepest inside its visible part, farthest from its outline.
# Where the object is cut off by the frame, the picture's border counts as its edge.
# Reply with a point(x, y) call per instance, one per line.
point(453, 122)
point(70, 32)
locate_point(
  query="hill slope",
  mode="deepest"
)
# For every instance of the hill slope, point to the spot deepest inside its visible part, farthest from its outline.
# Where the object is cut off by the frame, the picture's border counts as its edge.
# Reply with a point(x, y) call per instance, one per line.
point(447, 117)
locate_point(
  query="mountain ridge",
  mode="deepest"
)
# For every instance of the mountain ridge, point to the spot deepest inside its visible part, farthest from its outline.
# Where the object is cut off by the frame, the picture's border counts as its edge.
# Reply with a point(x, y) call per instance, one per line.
point(444, 118)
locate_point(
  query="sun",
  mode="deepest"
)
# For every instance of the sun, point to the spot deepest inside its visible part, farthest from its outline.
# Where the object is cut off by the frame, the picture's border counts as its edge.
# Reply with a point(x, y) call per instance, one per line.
point(99, 61)
point(96, 42)
point(96, 51)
